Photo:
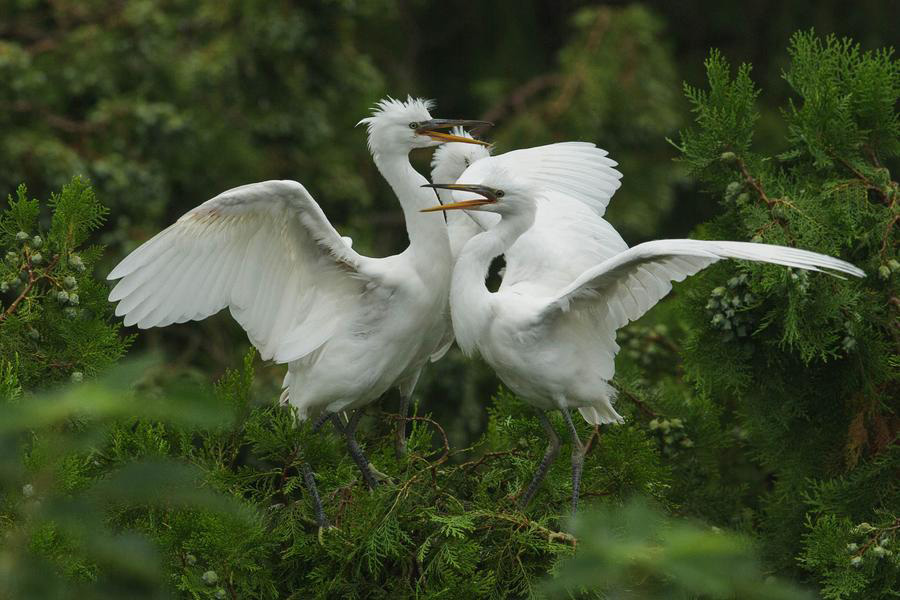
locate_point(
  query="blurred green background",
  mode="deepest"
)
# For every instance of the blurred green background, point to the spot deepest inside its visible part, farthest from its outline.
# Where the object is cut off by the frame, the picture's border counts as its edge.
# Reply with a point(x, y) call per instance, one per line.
point(164, 104)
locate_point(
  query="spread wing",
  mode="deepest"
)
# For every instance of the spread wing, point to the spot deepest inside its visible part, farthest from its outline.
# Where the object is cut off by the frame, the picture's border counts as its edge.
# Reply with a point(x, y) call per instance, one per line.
point(567, 239)
point(577, 181)
point(266, 251)
point(624, 287)
point(579, 170)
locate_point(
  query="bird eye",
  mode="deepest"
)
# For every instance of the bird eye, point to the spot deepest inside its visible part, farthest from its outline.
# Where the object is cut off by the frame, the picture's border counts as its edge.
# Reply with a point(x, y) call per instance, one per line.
point(499, 193)
point(468, 162)
point(413, 125)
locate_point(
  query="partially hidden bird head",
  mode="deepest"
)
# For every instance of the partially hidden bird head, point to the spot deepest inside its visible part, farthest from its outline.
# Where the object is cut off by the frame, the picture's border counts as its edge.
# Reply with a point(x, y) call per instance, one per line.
point(496, 192)
point(398, 127)
point(451, 159)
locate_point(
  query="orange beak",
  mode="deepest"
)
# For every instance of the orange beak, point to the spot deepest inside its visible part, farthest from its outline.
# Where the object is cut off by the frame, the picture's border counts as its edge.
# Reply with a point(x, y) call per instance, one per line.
point(488, 193)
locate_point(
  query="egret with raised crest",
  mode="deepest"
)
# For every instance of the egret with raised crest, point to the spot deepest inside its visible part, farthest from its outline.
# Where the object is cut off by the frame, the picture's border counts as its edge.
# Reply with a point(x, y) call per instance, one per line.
point(349, 326)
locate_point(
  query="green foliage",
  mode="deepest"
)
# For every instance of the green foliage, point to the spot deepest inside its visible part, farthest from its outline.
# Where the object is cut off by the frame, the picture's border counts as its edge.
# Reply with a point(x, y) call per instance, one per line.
point(780, 423)
point(805, 366)
point(59, 486)
point(615, 83)
point(444, 526)
point(54, 317)
point(636, 552)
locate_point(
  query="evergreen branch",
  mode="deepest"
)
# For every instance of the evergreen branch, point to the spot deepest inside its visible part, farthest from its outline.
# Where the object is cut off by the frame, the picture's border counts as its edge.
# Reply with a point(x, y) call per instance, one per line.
point(573, 82)
point(474, 464)
point(648, 412)
point(444, 440)
point(32, 280)
point(524, 522)
point(755, 183)
point(859, 175)
point(887, 234)
point(875, 535)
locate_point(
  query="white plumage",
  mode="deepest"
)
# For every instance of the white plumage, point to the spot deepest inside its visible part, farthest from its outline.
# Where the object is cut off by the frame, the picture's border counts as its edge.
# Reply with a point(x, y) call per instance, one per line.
point(552, 342)
point(349, 327)
point(568, 235)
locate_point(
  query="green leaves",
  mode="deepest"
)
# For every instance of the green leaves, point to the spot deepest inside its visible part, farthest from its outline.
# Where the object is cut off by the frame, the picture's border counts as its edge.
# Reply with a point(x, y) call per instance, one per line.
point(811, 385)
point(848, 100)
point(21, 215)
point(636, 552)
point(54, 317)
point(76, 212)
point(725, 115)
point(61, 488)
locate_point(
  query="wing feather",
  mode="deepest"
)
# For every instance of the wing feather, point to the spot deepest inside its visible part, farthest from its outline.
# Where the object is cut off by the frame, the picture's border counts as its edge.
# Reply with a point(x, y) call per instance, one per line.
point(266, 251)
point(578, 169)
point(633, 281)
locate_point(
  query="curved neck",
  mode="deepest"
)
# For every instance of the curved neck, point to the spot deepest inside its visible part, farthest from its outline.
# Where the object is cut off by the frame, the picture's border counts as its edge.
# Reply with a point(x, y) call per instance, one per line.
point(470, 299)
point(428, 243)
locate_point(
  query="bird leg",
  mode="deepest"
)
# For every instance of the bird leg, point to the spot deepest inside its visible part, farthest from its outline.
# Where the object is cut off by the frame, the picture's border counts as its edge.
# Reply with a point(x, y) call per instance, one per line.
point(578, 451)
point(356, 452)
point(549, 457)
point(310, 479)
point(320, 421)
point(400, 439)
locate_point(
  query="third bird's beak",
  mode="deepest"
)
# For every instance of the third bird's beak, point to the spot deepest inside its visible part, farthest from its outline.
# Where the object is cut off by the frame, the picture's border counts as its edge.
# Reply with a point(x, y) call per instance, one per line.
point(431, 127)
point(482, 190)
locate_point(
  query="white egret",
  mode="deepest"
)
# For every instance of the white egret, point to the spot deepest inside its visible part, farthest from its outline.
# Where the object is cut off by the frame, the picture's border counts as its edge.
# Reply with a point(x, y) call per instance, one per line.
point(568, 234)
point(349, 327)
point(554, 344)
point(568, 172)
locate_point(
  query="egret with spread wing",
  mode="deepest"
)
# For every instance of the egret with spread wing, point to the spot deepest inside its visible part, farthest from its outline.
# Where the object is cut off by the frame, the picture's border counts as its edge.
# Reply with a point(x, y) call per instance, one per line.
point(571, 173)
point(348, 326)
point(552, 343)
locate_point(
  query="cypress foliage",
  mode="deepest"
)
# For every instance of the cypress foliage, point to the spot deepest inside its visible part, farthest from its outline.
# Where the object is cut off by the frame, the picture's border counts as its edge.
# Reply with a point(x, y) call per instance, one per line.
point(760, 400)
point(805, 366)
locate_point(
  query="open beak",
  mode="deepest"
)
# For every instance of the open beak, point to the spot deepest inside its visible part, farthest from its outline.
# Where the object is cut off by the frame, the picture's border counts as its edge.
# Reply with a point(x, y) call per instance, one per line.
point(430, 128)
point(483, 190)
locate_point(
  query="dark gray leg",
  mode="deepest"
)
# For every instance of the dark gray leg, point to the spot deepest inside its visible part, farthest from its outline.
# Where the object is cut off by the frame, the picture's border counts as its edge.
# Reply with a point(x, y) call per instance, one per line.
point(577, 459)
point(400, 439)
point(359, 457)
point(310, 479)
point(321, 420)
point(549, 457)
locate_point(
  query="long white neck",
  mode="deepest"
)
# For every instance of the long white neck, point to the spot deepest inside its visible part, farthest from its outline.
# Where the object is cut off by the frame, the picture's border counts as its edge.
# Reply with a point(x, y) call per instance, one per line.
point(429, 248)
point(470, 299)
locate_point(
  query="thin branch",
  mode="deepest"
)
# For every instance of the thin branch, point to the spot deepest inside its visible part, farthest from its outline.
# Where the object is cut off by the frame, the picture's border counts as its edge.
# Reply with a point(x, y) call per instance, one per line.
point(524, 521)
point(445, 441)
point(755, 183)
point(474, 464)
point(648, 412)
point(32, 280)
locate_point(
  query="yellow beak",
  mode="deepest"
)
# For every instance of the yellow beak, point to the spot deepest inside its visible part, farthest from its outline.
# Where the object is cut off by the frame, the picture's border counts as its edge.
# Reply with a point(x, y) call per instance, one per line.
point(449, 137)
point(459, 205)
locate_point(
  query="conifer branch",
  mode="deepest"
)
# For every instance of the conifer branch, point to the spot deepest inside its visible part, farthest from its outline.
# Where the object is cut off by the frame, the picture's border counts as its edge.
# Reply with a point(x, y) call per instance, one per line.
point(32, 280)
point(754, 182)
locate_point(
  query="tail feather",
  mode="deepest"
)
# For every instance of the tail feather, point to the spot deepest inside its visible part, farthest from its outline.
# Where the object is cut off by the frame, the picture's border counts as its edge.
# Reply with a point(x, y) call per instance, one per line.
point(602, 411)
